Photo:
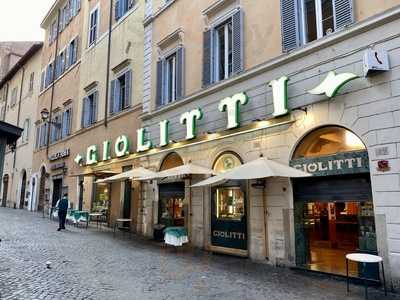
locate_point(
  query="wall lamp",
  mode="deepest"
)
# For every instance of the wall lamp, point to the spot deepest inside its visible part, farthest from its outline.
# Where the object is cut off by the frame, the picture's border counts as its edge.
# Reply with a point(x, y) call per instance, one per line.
point(45, 115)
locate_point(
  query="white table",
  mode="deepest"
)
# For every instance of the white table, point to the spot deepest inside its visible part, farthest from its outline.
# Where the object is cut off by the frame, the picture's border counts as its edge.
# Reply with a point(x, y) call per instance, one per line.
point(364, 259)
point(117, 221)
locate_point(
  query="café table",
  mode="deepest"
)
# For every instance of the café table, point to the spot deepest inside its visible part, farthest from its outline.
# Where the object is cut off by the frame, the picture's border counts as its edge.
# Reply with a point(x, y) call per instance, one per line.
point(121, 221)
point(364, 259)
point(97, 217)
point(176, 236)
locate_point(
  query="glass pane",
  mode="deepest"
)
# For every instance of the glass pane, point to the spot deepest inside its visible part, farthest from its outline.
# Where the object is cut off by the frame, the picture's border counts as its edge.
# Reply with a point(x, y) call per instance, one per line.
point(221, 52)
point(327, 16)
point(101, 201)
point(230, 51)
point(328, 141)
point(226, 162)
point(310, 20)
point(229, 203)
point(172, 213)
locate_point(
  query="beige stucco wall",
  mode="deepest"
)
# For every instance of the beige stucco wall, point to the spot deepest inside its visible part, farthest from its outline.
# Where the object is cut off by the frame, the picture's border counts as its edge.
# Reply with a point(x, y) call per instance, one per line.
point(24, 152)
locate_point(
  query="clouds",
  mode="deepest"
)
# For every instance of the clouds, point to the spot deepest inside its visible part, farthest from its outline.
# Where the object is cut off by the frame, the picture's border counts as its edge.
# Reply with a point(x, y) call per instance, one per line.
point(20, 19)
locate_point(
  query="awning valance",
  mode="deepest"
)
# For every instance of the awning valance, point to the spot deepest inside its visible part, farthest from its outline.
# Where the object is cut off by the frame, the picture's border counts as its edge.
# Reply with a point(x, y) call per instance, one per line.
point(131, 174)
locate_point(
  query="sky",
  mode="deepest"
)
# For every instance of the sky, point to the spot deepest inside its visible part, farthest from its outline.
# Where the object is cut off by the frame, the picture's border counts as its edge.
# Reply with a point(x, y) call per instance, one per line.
point(20, 19)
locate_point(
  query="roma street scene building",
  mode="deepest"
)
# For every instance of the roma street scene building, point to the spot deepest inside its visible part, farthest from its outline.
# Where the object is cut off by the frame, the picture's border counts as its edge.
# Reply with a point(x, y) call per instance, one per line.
point(311, 85)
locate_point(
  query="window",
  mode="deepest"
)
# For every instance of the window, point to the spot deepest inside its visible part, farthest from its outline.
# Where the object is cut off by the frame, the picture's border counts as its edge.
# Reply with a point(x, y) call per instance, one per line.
point(304, 21)
point(121, 91)
point(14, 94)
point(170, 78)
point(89, 112)
point(41, 135)
point(25, 132)
point(93, 26)
point(31, 81)
point(60, 64)
point(223, 49)
point(230, 203)
point(66, 123)
point(72, 53)
point(49, 74)
point(75, 7)
point(53, 32)
point(55, 129)
point(122, 7)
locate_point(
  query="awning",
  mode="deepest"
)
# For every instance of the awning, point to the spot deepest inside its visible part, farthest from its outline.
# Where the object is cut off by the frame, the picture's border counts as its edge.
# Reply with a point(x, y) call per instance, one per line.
point(256, 169)
point(184, 170)
point(95, 173)
point(131, 174)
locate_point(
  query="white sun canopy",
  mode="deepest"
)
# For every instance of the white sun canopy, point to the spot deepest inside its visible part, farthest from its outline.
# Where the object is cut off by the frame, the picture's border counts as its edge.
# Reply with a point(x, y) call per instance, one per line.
point(256, 169)
point(188, 169)
point(131, 174)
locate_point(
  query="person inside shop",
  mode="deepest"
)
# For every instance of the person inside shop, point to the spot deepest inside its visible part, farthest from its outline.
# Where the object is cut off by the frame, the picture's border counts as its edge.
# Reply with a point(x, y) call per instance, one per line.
point(62, 206)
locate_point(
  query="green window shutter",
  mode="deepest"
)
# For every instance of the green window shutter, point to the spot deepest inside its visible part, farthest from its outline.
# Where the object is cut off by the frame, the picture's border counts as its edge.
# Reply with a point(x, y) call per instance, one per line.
point(343, 13)
point(180, 73)
point(159, 83)
point(237, 35)
point(207, 35)
point(290, 24)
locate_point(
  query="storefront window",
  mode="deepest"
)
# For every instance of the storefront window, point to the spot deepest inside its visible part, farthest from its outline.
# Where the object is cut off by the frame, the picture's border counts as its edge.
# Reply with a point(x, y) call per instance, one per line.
point(230, 203)
point(101, 201)
point(328, 141)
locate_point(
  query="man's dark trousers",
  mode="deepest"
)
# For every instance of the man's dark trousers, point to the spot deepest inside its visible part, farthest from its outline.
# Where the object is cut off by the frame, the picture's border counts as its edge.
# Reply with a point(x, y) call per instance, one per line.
point(61, 219)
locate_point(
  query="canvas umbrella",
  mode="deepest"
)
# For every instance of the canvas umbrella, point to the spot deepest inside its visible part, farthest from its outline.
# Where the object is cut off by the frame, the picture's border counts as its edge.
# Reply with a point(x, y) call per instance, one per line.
point(183, 170)
point(131, 174)
point(257, 169)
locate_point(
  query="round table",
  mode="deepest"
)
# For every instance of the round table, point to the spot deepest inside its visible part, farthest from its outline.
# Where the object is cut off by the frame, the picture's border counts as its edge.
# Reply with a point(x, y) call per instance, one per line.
point(364, 259)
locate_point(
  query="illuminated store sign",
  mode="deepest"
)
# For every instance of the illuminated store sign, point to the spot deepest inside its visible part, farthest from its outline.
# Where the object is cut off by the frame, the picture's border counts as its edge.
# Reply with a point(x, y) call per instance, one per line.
point(330, 86)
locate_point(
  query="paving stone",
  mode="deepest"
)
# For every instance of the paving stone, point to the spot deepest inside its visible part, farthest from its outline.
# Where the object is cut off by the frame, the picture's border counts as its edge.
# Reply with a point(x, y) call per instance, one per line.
point(91, 264)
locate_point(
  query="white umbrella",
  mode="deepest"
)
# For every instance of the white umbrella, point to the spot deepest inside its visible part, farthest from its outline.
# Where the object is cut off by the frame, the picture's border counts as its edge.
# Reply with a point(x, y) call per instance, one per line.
point(131, 174)
point(256, 169)
point(183, 170)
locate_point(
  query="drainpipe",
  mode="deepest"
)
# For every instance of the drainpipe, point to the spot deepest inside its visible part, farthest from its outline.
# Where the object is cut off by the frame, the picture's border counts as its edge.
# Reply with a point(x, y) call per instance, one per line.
point(19, 112)
point(53, 85)
point(108, 64)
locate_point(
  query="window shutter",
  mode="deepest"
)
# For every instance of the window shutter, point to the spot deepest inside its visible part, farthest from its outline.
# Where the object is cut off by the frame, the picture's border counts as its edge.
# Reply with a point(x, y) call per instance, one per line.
point(180, 73)
point(85, 112)
point(117, 5)
point(95, 105)
point(237, 36)
point(290, 25)
point(207, 58)
point(75, 51)
point(117, 96)
point(78, 6)
point(343, 13)
point(69, 125)
point(131, 3)
point(112, 96)
point(159, 83)
point(128, 88)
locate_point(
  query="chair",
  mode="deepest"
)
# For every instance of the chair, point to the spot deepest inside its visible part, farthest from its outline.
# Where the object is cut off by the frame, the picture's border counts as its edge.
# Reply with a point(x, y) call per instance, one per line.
point(81, 217)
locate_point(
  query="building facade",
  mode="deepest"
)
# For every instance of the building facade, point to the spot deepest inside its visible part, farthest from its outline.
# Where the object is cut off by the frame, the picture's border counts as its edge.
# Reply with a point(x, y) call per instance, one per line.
point(311, 84)
point(95, 95)
point(19, 89)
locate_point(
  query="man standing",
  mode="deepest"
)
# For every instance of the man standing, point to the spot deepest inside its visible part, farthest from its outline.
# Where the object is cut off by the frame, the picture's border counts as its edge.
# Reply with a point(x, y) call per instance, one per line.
point(62, 211)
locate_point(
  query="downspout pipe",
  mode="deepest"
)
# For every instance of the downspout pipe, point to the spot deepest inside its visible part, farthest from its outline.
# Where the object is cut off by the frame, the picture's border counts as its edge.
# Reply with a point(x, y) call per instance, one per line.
point(53, 85)
point(108, 64)
point(19, 111)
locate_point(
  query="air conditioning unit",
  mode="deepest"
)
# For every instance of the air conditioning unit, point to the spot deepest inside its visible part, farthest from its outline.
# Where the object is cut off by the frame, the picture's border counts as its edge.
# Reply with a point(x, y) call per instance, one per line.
point(375, 61)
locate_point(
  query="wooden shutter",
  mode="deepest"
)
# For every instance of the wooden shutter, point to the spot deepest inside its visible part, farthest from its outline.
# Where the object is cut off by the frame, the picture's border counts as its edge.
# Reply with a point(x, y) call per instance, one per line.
point(117, 96)
point(343, 13)
point(75, 51)
point(159, 83)
point(290, 25)
point(95, 107)
point(112, 96)
point(117, 10)
point(128, 89)
point(207, 57)
point(85, 112)
point(180, 73)
point(237, 36)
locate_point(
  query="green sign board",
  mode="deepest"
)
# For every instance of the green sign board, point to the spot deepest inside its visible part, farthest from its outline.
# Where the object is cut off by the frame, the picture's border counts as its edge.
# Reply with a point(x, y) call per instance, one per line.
point(338, 164)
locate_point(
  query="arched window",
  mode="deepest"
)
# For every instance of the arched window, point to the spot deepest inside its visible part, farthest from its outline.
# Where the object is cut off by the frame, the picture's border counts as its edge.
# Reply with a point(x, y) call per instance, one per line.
point(226, 161)
point(328, 140)
point(172, 160)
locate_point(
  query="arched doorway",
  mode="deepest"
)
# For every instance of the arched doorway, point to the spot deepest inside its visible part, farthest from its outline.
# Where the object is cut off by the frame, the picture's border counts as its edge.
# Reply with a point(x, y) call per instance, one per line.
point(42, 186)
point(23, 189)
point(333, 210)
point(171, 194)
point(5, 190)
point(228, 209)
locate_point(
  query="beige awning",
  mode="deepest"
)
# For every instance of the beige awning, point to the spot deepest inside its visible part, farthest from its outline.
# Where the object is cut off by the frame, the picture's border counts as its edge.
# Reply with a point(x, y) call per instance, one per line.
point(184, 170)
point(95, 173)
point(131, 174)
point(256, 169)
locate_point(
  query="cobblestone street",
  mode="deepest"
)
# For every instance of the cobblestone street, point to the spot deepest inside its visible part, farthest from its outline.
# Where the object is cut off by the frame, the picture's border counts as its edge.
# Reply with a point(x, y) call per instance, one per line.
point(91, 264)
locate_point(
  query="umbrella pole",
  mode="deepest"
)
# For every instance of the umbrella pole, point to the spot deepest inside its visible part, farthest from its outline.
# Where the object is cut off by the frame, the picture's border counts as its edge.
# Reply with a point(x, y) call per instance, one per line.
point(190, 209)
point(265, 222)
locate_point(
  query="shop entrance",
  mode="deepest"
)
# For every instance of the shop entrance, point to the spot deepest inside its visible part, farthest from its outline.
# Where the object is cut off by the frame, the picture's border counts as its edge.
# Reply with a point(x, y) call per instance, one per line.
point(57, 191)
point(171, 204)
point(333, 210)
